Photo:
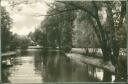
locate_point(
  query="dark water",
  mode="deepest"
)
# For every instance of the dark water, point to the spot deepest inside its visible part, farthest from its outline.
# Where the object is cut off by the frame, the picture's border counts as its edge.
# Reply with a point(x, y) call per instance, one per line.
point(34, 66)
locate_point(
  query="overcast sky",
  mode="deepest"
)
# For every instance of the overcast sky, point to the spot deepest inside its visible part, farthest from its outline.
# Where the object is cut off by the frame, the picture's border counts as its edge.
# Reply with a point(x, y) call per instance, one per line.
point(22, 14)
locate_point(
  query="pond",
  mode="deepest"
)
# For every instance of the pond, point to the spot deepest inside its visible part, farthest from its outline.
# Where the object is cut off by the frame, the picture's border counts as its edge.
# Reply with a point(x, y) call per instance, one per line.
point(36, 66)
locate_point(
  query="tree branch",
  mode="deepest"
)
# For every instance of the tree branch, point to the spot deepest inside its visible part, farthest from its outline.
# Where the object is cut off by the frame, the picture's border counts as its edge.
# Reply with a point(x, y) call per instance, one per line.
point(79, 7)
point(59, 12)
point(123, 13)
point(96, 31)
point(102, 32)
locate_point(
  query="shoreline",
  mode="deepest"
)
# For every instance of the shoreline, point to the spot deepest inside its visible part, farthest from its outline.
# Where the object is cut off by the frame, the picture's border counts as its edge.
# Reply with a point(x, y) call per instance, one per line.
point(79, 58)
point(10, 53)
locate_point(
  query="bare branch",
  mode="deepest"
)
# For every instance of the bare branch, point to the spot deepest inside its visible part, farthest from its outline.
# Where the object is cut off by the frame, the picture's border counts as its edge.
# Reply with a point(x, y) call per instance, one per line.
point(49, 5)
point(14, 3)
point(79, 7)
point(59, 12)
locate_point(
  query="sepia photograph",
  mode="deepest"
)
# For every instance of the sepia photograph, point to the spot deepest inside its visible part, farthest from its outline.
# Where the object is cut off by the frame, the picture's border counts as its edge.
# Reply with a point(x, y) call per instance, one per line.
point(63, 41)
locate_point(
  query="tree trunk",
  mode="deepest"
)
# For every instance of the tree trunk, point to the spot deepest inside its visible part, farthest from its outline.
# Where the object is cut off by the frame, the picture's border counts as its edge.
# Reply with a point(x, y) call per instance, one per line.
point(107, 76)
point(106, 53)
point(115, 54)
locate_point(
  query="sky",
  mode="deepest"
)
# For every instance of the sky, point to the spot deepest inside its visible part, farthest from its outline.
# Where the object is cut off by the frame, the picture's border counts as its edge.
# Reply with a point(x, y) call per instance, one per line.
point(24, 15)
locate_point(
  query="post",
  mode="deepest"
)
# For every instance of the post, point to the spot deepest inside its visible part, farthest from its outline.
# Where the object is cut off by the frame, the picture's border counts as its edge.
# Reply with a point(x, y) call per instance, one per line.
point(127, 35)
point(0, 47)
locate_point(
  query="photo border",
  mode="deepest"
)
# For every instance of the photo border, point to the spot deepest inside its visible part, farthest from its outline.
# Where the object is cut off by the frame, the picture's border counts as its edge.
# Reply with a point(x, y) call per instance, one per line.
point(73, 82)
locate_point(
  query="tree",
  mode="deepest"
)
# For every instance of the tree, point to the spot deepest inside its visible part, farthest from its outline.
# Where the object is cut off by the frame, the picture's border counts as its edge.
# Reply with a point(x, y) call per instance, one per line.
point(24, 43)
point(59, 23)
point(83, 33)
point(102, 33)
point(6, 22)
point(108, 32)
point(59, 27)
point(14, 42)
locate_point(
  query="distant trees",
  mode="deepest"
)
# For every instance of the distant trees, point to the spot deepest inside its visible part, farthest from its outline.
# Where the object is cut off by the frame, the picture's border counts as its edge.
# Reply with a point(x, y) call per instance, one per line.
point(14, 42)
point(24, 43)
point(19, 41)
point(36, 37)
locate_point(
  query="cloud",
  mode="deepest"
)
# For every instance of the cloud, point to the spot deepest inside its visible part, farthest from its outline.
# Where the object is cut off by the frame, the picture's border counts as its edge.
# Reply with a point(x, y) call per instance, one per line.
point(23, 31)
point(23, 15)
point(4, 3)
point(18, 17)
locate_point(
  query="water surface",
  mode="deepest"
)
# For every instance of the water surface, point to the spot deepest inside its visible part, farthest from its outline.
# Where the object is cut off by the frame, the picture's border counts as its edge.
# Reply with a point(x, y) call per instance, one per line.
point(35, 66)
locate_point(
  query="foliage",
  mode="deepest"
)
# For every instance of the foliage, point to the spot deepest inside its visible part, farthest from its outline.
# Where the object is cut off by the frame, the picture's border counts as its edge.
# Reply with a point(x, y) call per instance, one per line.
point(106, 31)
point(10, 41)
point(95, 29)
point(110, 31)
point(58, 28)
point(24, 43)
point(36, 36)
point(6, 22)
point(83, 33)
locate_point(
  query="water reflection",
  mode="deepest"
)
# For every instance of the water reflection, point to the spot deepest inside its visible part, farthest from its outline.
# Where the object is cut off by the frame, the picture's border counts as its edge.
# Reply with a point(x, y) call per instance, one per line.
point(37, 66)
point(5, 74)
point(100, 74)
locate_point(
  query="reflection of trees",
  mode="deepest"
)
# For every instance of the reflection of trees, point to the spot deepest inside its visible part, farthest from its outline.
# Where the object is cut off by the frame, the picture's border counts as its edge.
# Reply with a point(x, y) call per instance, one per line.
point(4, 75)
point(92, 72)
point(53, 70)
point(23, 52)
point(59, 68)
point(107, 76)
point(38, 62)
point(53, 64)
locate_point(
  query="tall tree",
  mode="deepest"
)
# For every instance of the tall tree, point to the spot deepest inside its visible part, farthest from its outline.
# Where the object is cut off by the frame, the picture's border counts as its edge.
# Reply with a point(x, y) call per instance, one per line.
point(6, 22)
point(108, 33)
point(59, 27)
point(103, 33)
